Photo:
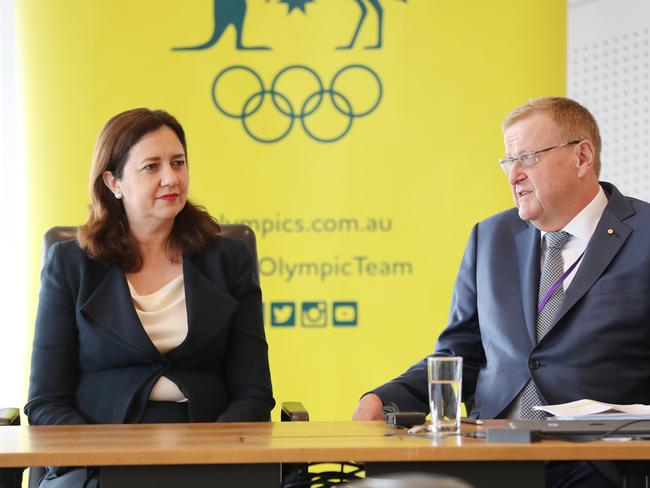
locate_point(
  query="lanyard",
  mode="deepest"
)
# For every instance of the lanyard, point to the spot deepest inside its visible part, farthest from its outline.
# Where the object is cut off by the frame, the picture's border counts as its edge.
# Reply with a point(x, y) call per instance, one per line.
point(558, 283)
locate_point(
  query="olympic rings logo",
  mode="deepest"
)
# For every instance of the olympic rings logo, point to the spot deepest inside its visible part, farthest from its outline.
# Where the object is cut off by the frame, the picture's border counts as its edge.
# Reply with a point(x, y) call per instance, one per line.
point(304, 105)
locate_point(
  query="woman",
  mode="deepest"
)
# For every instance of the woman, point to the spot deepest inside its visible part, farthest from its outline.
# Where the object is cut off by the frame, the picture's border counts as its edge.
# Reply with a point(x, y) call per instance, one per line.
point(149, 315)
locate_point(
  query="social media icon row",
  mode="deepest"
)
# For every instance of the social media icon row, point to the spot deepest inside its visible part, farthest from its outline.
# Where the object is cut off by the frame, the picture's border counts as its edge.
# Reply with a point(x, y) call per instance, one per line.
point(313, 314)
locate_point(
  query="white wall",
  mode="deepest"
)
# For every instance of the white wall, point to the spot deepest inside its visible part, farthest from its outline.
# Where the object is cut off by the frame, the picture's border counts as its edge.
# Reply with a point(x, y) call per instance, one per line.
point(608, 71)
point(13, 283)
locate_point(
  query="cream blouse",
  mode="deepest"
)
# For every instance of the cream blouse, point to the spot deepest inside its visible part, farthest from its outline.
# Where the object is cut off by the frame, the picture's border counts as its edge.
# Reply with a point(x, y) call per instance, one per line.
point(163, 315)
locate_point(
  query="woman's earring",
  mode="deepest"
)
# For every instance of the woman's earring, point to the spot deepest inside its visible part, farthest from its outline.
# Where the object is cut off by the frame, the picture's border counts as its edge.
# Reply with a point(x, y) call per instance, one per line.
point(118, 195)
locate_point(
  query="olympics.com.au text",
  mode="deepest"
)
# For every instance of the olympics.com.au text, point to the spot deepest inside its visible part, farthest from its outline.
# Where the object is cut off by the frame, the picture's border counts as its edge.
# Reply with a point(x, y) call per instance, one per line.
point(264, 226)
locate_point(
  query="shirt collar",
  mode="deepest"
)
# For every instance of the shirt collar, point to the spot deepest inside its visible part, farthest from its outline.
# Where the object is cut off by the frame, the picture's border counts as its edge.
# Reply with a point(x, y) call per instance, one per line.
point(583, 225)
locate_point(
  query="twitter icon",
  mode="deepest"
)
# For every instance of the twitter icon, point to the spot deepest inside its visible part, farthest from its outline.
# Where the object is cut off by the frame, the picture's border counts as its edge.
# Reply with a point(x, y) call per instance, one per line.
point(283, 314)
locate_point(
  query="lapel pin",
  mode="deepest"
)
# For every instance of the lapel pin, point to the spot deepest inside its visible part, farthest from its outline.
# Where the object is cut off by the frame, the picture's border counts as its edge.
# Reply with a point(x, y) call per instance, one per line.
point(610, 231)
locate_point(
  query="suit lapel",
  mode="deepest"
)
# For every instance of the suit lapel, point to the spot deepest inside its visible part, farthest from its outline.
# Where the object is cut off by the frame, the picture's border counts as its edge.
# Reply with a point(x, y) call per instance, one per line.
point(209, 309)
point(527, 244)
point(602, 248)
point(607, 240)
point(111, 307)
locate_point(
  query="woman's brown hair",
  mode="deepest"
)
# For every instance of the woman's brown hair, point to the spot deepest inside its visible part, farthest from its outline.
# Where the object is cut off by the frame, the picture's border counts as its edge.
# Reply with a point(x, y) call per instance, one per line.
point(106, 236)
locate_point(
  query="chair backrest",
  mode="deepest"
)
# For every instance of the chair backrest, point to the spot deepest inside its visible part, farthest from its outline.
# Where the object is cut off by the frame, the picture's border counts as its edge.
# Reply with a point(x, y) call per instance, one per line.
point(237, 231)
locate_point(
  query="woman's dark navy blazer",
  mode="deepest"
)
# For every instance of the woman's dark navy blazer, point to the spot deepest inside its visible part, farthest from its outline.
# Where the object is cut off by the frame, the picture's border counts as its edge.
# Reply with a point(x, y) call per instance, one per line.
point(92, 361)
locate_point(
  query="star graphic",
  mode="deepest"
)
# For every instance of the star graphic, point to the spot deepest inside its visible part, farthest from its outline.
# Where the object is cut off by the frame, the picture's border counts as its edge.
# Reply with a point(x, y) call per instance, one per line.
point(296, 4)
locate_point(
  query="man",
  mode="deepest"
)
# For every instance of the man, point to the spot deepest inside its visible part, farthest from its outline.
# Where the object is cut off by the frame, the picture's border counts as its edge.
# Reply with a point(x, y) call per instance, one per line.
point(551, 300)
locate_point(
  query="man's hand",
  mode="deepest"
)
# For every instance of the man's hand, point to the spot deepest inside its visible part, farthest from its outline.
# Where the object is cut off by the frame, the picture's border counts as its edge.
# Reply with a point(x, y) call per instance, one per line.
point(369, 408)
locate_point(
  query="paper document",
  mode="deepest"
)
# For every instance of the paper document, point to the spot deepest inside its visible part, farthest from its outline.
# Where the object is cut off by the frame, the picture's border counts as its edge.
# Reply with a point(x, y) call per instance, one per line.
point(584, 407)
point(598, 417)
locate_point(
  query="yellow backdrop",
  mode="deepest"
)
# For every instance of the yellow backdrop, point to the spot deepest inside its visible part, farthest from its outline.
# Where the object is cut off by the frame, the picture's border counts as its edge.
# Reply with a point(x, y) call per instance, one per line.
point(360, 238)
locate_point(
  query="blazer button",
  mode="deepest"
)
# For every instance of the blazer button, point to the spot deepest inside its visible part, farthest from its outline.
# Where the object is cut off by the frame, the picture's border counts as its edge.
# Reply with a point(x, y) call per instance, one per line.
point(535, 364)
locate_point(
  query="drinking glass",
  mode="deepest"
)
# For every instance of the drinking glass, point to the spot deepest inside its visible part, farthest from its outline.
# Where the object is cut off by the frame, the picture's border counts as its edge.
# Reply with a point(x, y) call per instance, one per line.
point(445, 381)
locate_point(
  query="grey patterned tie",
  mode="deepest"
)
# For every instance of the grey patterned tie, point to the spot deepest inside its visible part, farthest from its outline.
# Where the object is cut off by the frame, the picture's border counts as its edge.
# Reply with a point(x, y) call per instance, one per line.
point(552, 270)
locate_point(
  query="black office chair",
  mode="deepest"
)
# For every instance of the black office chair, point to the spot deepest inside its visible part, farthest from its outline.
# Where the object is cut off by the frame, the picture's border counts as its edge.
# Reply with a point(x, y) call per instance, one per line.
point(237, 231)
point(12, 478)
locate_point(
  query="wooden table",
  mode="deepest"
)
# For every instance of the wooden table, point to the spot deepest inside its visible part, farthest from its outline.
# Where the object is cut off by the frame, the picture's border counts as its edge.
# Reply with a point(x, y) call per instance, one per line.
point(256, 450)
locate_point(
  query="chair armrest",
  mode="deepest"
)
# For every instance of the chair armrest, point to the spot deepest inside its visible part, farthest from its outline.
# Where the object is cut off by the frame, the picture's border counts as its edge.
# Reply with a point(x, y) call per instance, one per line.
point(293, 412)
point(294, 474)
point(9, 416)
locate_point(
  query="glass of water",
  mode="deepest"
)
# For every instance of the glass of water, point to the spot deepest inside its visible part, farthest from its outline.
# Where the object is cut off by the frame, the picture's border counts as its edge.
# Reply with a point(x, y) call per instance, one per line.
point(445, 382)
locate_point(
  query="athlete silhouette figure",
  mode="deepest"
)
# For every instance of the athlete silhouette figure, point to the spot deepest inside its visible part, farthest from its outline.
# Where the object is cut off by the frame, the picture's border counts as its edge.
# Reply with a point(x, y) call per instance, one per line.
point(375, 4)
point(226, 12)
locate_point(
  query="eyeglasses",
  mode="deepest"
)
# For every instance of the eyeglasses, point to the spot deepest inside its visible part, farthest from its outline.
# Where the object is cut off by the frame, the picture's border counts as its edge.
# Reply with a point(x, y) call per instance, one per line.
point(528, 160)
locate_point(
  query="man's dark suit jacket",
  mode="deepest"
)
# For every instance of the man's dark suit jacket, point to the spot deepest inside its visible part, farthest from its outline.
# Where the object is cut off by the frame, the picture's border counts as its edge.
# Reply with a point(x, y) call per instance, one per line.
point(93, 362)
point(599, 346)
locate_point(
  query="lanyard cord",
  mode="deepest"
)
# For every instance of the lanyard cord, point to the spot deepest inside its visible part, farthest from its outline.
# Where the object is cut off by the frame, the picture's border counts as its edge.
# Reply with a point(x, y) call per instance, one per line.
point(556, 285)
